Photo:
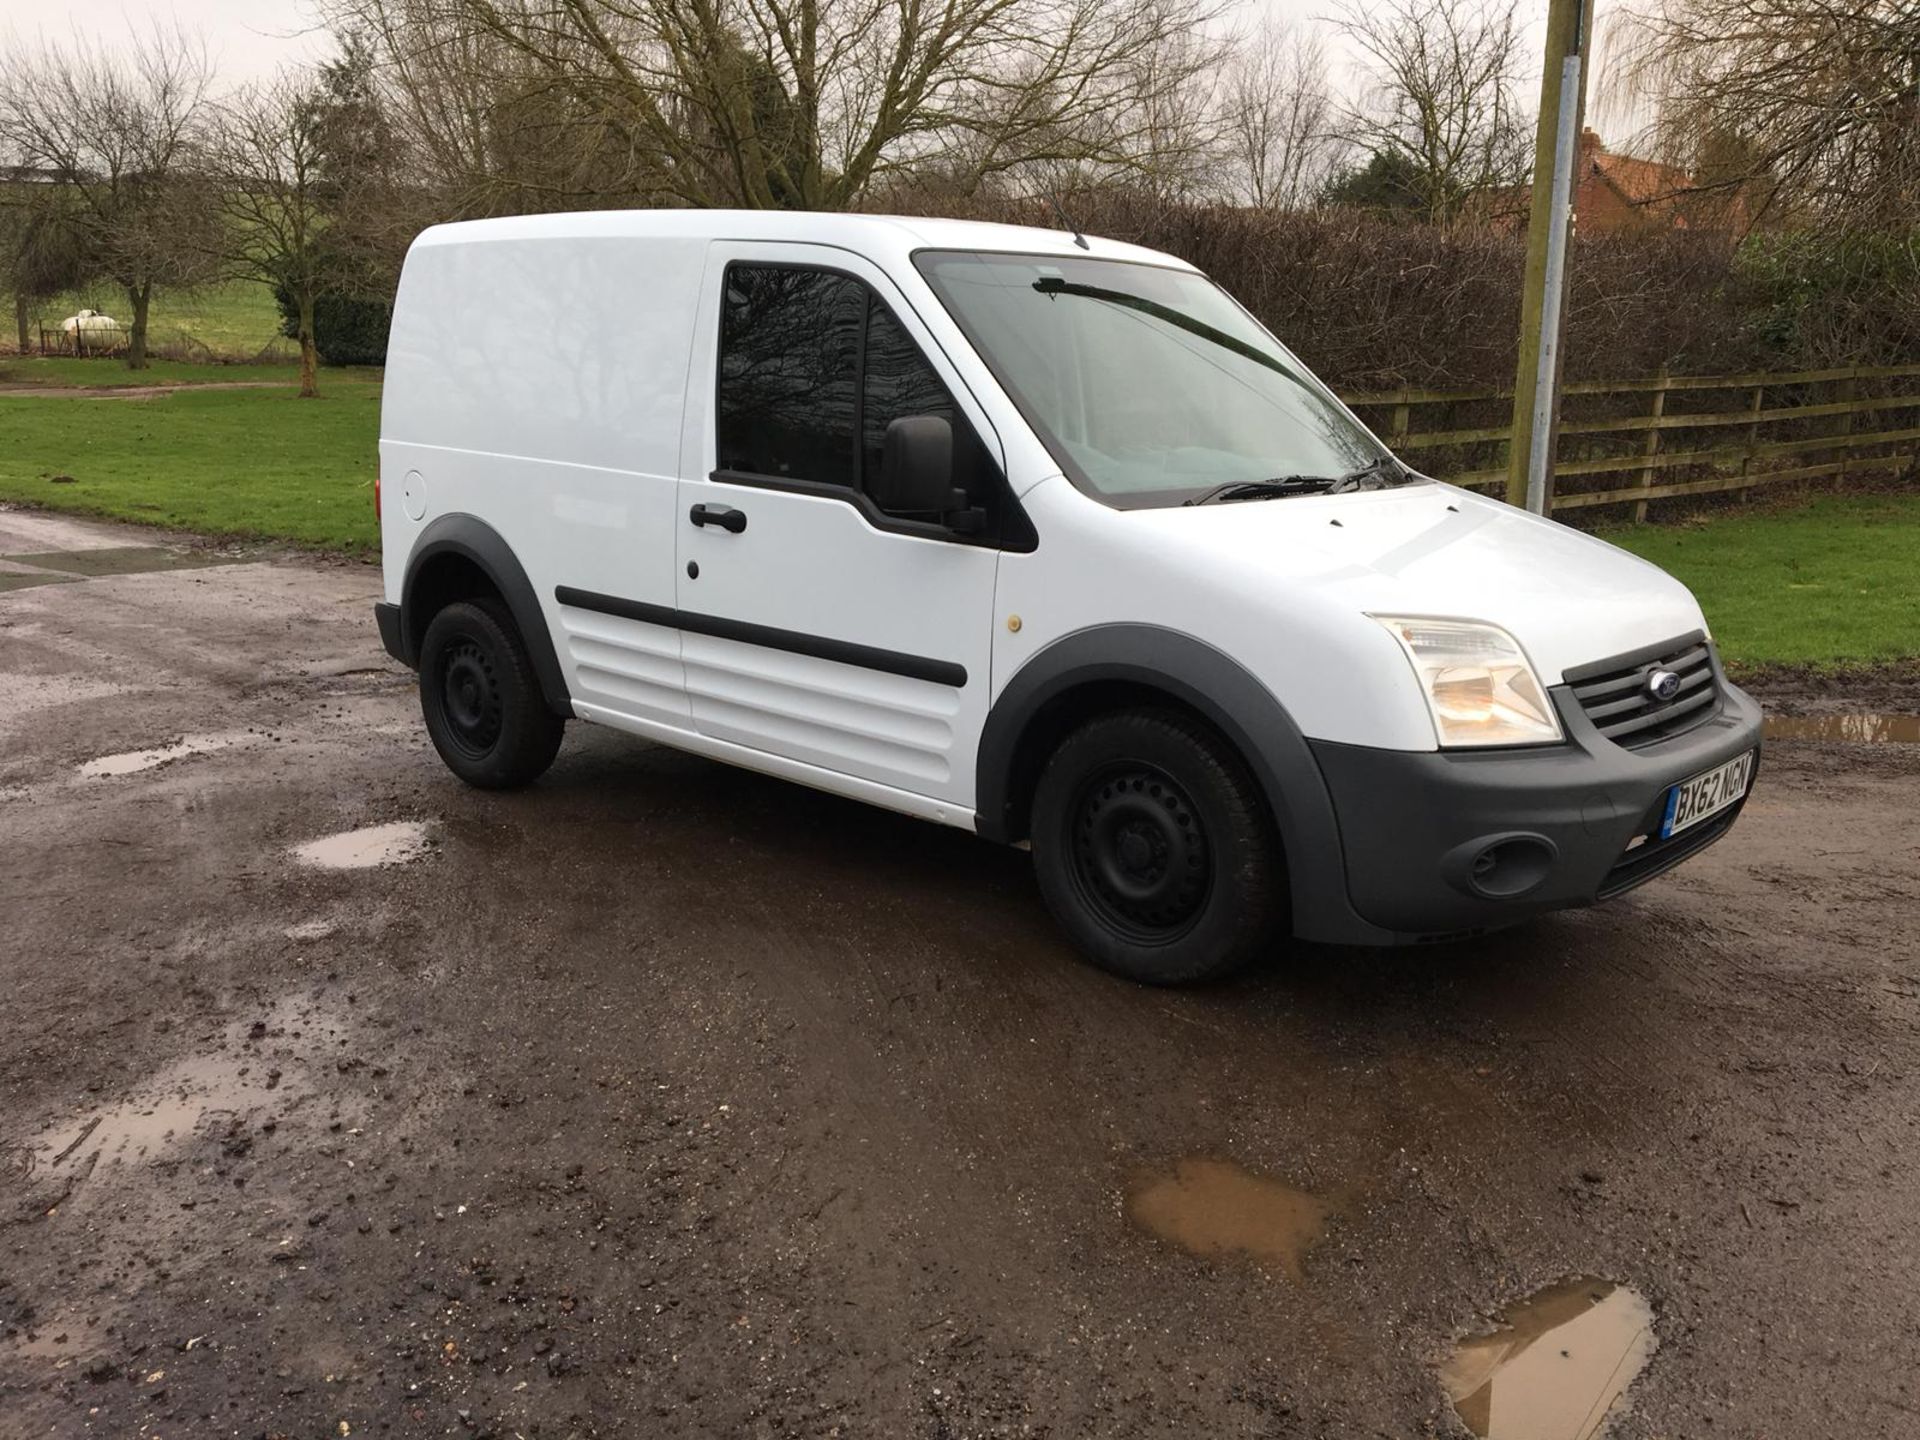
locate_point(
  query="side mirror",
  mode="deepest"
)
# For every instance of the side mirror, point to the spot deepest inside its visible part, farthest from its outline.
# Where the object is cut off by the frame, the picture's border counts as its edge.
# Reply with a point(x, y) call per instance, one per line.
point(916, 473)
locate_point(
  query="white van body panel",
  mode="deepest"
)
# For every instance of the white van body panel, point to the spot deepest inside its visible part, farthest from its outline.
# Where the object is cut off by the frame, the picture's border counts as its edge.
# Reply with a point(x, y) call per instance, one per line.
point(507, 399)
point(1286, 589)
point(551, 396)
point(540, 377)
point(589, 453)
point(682, 737)
point(813, 564)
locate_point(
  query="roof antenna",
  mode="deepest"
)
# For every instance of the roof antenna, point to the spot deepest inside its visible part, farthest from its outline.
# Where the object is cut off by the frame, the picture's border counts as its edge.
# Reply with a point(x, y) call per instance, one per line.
point(1066, 223)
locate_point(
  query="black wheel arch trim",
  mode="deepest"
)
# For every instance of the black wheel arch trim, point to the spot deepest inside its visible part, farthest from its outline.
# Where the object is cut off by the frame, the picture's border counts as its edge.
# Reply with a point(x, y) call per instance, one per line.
point(474, 540)
point(1239, 706)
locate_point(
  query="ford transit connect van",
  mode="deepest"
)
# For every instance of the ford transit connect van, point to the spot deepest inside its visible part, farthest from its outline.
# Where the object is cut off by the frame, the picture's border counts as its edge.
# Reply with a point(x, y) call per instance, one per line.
point(1042, 538)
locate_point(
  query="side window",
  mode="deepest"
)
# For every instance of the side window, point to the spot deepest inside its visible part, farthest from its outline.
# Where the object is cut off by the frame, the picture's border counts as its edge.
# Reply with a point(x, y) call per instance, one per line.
point(813, 368)
point(789, 373)
point(898, 382)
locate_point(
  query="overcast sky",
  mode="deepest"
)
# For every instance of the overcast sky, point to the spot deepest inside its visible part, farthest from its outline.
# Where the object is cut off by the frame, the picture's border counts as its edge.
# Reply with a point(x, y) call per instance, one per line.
point(249, 39)
point(252, 38)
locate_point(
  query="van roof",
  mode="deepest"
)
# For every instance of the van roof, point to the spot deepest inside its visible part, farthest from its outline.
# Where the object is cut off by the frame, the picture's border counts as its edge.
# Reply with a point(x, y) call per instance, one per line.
point(880, 237)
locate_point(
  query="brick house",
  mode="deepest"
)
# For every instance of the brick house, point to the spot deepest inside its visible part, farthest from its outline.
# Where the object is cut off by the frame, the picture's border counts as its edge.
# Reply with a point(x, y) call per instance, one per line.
point(1622, 192)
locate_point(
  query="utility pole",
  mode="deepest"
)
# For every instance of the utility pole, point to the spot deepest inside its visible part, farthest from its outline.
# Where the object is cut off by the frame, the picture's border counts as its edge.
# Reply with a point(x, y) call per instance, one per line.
point(1556, 149)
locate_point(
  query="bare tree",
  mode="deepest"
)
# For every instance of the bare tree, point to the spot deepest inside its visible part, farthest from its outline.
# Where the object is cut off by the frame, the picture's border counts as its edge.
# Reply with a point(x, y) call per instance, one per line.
point(797, 103)
point(1279, 116)
point(1817, 100)
point(42, 252)
point(1173, 118)
point(264, 156)
point(116, 134)
point(1442, 94)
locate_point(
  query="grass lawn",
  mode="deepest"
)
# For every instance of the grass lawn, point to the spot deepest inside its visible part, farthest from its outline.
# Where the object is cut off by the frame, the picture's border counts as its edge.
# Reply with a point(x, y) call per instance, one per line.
point(66, 372)
point(261, 463)
point(1834, 581)
point(236, 320)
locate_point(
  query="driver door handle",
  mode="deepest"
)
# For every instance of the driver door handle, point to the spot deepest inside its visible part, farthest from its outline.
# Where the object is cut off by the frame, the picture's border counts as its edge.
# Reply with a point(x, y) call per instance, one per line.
point(725, 516)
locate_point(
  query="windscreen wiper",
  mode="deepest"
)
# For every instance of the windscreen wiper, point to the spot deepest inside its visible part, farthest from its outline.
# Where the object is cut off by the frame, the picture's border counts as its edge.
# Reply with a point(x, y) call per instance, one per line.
point(1266, 489)
point(1055, 285)
point(1384, 471)
point(1372, 476)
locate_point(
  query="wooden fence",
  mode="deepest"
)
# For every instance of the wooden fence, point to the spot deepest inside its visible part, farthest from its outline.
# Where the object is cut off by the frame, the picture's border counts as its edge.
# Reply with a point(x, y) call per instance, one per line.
point(1628, 442)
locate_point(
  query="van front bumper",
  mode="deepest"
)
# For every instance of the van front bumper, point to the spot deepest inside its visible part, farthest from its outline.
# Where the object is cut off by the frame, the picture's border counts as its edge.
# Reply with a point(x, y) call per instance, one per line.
point(1569, 824)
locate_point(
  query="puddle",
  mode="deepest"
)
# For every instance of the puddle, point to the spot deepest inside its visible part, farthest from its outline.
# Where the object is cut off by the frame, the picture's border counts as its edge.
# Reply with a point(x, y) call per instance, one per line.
point(256, 1064)
point(134, 761)
point(27, 579)
point(394, 844)
point(1214, 1207)
point(1558, 1368)
point(1871, 728)
point(119, 560)
point(144, 1126)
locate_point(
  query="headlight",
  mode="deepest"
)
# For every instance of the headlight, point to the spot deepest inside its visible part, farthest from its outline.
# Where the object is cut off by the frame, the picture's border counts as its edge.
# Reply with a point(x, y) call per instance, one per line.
point(1478, 682)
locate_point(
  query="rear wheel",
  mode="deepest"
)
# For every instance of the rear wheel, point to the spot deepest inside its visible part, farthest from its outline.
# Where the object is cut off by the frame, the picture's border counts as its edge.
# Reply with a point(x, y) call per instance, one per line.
point(1154, 851)
point(481, 699)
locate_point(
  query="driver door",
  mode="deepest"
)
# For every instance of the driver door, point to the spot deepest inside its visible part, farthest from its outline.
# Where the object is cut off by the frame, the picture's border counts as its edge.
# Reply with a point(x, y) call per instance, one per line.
point(816, 626)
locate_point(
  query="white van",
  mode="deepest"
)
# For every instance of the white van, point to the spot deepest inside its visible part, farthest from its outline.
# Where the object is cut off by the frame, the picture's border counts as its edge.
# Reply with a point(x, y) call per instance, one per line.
point(1040, 537)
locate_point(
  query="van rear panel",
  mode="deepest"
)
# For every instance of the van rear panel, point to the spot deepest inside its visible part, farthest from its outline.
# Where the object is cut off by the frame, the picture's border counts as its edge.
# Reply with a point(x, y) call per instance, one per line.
point(568, 349)
point(537, 383)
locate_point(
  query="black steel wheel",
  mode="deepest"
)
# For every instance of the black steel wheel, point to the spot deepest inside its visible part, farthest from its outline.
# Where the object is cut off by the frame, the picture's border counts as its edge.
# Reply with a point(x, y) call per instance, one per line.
point(470, 691)
point(481, 699)
point(1154, 850)
point(1140, 852)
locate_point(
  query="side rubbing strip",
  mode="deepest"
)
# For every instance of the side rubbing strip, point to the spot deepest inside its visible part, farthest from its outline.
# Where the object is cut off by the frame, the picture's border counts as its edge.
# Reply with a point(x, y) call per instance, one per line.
point(867, 657)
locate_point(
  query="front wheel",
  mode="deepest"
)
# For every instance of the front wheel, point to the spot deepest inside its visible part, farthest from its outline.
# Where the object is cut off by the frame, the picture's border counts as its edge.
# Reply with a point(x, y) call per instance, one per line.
point(481, 699)
point(1154, 851)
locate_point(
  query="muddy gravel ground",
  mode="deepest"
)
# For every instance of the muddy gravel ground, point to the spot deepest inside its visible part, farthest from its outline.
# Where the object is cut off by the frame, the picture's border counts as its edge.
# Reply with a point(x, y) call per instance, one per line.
point(665, 1099)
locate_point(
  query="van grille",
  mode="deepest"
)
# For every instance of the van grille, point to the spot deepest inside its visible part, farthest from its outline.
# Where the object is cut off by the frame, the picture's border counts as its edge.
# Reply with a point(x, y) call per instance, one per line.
point(1615, 698)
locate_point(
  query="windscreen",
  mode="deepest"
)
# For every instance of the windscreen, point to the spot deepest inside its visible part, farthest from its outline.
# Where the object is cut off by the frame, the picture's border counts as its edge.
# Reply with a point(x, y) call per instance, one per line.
point(1149, 385)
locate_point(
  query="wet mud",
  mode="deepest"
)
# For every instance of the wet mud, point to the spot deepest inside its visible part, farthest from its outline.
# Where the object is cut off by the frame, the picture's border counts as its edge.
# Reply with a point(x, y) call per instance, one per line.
point(664, 1099)
point(27, 579)
point(118, 559)
point(1887, 689)
point(1870, 728)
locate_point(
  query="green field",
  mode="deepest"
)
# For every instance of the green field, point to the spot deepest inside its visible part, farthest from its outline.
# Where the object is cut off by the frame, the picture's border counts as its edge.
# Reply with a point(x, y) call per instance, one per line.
point(66, 373)
point(231, 321)
point(1833, 581)
point(257, 463)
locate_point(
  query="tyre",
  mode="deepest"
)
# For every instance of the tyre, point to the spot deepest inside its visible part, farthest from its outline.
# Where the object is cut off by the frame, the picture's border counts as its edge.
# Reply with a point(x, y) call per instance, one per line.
point(1154, 850)
point(481, 699)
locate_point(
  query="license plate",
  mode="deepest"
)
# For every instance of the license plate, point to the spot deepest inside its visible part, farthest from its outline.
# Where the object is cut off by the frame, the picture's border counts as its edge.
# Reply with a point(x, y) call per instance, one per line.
point(1706, 795)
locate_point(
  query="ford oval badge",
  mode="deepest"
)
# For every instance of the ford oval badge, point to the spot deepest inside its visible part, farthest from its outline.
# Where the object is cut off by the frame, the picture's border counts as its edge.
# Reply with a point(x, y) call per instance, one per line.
point(1662, 685)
